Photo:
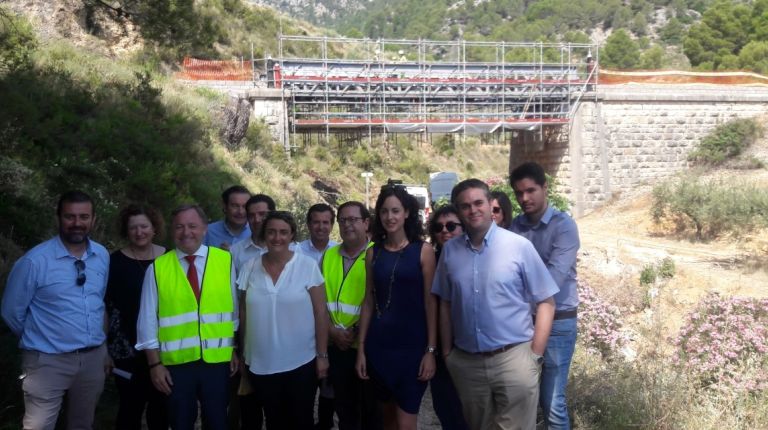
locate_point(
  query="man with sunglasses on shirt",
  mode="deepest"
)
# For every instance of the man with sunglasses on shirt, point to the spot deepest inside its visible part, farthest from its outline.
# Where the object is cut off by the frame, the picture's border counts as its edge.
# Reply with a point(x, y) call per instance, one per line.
point(556, 238)
point(343, 268)
point(54, 302)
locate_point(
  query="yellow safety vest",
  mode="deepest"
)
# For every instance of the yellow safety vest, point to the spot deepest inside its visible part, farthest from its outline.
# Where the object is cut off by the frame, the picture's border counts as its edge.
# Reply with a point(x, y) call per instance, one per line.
point(344, 294)
point(188, 331)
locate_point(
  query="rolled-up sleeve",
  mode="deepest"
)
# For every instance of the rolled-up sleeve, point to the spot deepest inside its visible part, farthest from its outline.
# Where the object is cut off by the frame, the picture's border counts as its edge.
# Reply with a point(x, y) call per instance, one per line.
point(146, 325)
point(18, 294)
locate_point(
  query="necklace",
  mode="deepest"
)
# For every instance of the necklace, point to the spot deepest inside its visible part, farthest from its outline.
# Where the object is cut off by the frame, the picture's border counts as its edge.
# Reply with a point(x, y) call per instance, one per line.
point(400, 250)
point(135, 255)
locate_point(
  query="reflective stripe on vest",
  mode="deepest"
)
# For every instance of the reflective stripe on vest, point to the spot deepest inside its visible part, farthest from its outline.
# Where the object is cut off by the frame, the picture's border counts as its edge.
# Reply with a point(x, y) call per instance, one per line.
point(188, 331)
point(345, 294)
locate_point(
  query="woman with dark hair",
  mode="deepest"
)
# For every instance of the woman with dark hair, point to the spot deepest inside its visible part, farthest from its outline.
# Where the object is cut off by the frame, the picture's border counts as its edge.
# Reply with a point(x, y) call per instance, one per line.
point(139, 226)
point(398, 318)
point(284, 326)
point(501, 209)
point(445, 225)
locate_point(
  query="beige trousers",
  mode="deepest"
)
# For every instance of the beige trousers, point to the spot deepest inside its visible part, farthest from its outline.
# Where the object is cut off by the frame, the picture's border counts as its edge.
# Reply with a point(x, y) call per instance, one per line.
point(499, 392)
point(49, 376)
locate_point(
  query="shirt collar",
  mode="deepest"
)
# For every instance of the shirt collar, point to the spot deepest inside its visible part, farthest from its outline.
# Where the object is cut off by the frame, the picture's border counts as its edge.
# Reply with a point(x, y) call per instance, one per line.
point(487, 238)
point(545, 219)
point(252, 244)
point(201, 252)
point(61, 251)
point(343, 253)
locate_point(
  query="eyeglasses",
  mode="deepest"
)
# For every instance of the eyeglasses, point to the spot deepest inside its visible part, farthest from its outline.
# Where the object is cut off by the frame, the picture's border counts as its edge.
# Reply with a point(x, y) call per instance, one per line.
point(349, 220)
point(450, 225)
point(80, 266)
point(496, 209)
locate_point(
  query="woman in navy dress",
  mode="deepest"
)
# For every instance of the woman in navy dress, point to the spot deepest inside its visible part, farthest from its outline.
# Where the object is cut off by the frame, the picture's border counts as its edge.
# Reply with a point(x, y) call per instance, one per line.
point(398, 319)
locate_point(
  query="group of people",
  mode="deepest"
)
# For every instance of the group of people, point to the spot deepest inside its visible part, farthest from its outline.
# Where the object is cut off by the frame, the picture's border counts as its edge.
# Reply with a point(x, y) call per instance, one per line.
point(243, 324)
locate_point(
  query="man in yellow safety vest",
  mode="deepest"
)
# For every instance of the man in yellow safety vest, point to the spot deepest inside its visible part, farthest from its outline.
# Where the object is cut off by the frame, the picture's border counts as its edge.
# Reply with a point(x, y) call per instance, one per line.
point(343, 268)
point(187, 324)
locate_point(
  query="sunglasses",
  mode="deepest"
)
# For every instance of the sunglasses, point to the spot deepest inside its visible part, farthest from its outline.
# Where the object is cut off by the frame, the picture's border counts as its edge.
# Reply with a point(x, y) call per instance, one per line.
point(450, 225)
point(496, 210)
point(80, 266)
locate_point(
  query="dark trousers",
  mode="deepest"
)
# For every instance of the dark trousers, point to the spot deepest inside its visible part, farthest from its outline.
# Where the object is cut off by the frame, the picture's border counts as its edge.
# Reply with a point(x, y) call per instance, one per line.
point(355, 402)
point(288, 397)
point(244, 412)
point(445, 399)
point(136, 394)
point(203, 382)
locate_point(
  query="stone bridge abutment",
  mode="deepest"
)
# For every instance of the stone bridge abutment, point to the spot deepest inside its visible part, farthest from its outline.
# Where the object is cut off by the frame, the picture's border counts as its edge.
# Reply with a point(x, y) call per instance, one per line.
point(630, 135)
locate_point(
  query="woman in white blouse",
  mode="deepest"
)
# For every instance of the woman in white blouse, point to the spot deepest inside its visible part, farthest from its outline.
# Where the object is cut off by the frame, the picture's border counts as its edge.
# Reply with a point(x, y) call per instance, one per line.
point(285, 335)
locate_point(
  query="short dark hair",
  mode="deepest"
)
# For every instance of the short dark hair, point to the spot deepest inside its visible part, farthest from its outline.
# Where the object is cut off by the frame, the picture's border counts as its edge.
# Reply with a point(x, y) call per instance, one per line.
point(444, 210)
point(195, 207)
point(281, 215)
point(506, 207)
point(364, 212)
point(530, 170)
point(467, 184)
point(74, 196)
point(413, 228)
point(234, 189)
point(259, 198)
point(135, 209)
point(320, 208)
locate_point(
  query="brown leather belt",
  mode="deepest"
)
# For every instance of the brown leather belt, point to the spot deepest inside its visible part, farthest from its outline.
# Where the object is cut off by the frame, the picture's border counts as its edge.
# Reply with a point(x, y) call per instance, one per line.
point(497, 351)
point(84, 350)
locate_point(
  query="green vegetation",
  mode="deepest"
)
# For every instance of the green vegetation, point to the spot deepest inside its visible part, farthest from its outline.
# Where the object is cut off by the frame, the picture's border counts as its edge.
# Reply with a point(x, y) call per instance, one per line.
point(648, 275)
point(731, 35)
point(726, 142)
point(710, 207)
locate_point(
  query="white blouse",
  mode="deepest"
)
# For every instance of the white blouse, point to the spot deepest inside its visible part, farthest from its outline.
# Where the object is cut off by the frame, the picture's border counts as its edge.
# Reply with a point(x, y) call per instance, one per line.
point(280, 322)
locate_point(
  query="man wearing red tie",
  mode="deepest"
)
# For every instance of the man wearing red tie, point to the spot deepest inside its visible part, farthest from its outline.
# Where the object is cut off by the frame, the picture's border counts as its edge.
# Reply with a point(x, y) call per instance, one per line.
point(187, 321)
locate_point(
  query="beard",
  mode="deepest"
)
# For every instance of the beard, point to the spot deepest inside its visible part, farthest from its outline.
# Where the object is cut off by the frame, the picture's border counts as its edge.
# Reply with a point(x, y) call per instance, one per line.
point(74, 237)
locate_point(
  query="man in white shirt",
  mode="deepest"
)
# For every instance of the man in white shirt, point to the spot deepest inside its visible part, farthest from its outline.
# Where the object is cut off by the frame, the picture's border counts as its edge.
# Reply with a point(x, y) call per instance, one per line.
point(187, 321)
point(256, 209)
point(320, 218)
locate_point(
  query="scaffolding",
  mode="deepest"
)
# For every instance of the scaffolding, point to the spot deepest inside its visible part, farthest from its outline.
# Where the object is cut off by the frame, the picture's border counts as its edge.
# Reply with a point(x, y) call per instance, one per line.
point(422, 86)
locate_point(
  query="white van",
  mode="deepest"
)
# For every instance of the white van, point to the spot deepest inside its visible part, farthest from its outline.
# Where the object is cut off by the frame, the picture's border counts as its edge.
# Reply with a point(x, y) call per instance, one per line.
point(441, 184)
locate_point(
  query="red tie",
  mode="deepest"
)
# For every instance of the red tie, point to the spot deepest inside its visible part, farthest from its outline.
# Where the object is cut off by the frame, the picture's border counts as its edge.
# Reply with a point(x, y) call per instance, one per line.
point(192, 276)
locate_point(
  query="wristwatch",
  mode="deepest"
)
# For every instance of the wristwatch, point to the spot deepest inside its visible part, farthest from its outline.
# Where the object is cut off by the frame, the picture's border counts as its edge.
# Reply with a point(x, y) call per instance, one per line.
point(431, 349)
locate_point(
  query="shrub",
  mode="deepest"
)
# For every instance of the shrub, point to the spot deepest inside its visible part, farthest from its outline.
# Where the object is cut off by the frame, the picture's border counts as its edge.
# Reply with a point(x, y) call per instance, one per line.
point(648, 275)
point(600, 328)
point(711, 207)
point(723, 343)
point(666, 268)
point(726, 141)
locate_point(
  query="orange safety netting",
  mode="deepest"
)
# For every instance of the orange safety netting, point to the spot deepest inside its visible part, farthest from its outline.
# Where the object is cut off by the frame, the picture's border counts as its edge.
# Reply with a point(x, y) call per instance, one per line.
point(609, 77)
point(215, 70)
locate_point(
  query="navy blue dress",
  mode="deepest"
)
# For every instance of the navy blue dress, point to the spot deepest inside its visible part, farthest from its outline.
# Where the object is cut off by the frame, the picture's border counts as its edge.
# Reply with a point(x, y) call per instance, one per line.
point(397, 336)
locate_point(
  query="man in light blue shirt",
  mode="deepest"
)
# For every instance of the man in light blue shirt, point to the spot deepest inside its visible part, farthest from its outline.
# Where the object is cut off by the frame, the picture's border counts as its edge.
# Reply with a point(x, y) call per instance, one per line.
point(488, 280)
point(54, 303)
point(320, 218)
point(234, 227)
point(556, 238)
